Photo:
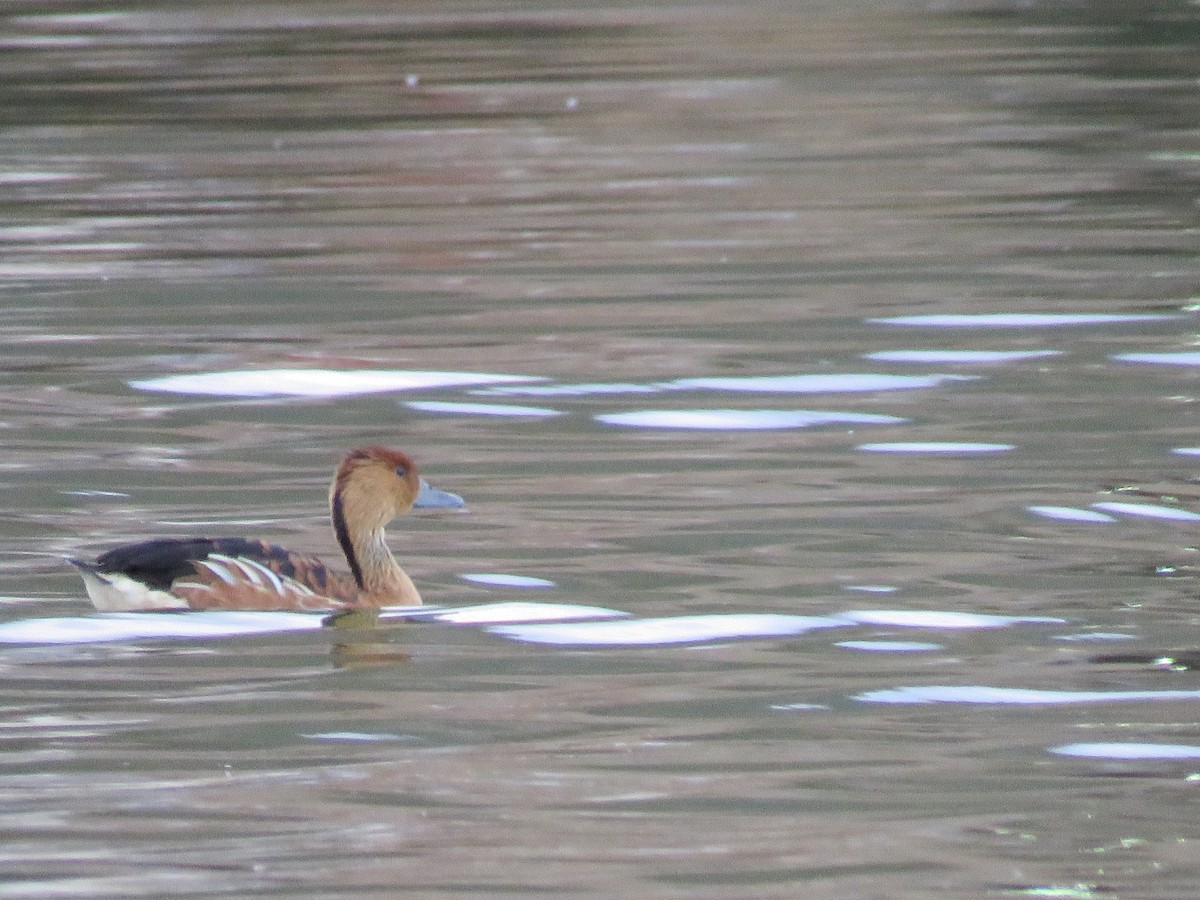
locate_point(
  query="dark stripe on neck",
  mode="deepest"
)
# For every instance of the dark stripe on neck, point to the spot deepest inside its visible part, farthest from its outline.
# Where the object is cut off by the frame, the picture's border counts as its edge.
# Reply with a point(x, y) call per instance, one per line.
point(338, 514)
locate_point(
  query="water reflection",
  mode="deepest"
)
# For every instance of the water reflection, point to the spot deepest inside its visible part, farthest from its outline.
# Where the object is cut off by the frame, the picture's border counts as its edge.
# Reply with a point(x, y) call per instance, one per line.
point(968, 357)
point(504, 580)
point(673, 630)
point(942, 619)
point(818, 384)
point(1162, 359)
point(482, 409)
point(890, 646)
point(1022, 320)
point(573, 390)
point(142, 626)
point(1070, 514)
point(741, 419)
point(1148, 511)
point(1128, 750)
point(314, 382)
point(535, 622)
point(988, 696)
point(935, 447)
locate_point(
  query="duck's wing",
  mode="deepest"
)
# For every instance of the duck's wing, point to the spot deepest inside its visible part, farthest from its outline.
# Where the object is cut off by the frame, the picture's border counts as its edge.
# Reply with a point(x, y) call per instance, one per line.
point(211, 573)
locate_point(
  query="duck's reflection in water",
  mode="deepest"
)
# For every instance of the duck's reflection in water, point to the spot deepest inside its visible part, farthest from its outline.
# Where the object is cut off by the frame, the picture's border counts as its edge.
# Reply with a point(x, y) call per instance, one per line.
point(360, 639)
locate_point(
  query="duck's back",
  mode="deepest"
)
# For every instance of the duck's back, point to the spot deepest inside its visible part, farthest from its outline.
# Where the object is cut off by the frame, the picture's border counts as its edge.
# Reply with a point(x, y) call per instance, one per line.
point(211, 573)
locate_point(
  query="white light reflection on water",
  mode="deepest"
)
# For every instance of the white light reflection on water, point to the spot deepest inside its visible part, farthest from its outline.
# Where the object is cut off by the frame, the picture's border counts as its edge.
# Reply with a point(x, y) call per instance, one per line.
point(818, 384)
point(890, 646)
point(356, 736)
point(988, 696)
point(104, 627)
point(1095, 637)
point(1128, 750)
point(949, 447)
point(1187, 451)
point(500, 579)
point(545, 623)
point(969, 357)
point(699, 628)
point(1021, 320)
point(850, 382)
point(315, 382)
point(483, 409)
point(1070, 514)
point(741, 419)
point(511, 611)
point(1161, 359)
point(206, 624)
point(1149, 511)
point(672, 630)
point(932, 618)
point(570, 390)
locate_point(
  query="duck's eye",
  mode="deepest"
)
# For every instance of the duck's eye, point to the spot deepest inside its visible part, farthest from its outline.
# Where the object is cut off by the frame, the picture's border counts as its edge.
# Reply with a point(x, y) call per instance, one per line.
point(402, 470)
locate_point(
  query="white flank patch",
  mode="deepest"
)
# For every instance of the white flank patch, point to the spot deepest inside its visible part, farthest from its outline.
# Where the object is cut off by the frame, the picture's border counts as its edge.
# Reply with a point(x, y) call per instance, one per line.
point(117, 593)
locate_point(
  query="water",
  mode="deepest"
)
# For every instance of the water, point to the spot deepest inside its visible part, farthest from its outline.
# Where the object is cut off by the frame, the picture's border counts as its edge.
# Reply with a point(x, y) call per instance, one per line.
point(849, 364)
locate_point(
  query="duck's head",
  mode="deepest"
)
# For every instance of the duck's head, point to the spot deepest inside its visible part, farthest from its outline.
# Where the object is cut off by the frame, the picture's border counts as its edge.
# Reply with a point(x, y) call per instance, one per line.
point(375, 484)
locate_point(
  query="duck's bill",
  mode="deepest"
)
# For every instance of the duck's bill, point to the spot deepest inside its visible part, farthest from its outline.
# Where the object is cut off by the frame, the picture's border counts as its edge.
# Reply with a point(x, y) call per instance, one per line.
point(430, 497)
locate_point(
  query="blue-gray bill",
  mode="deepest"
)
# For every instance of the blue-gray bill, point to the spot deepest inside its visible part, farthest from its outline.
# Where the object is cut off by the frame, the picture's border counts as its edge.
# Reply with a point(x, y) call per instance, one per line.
point(430, 497)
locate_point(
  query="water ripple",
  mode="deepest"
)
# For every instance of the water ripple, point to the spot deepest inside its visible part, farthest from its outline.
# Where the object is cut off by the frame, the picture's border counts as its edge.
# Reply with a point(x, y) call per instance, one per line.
point(741, 419)
point(818, 384)
point(483, 409)
point(1021, 320)
point(935, 447)
point(672, 630)
point(978, 694)
point(958, 356)
point(890, 646)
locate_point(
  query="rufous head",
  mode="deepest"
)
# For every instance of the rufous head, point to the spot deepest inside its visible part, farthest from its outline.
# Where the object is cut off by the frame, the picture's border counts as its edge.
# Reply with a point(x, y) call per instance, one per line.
point(374, 484)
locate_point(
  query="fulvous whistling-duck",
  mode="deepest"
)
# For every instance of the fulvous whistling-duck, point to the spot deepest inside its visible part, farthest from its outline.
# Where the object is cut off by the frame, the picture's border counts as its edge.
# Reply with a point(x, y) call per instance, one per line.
point(371, 487)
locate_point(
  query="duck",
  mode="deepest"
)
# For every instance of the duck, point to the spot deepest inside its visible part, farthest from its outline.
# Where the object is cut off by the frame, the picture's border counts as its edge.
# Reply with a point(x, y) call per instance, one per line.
point(371, 486)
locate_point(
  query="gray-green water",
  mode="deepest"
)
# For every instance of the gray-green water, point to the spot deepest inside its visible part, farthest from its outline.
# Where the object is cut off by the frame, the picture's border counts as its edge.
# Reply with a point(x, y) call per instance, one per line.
point(660, 204)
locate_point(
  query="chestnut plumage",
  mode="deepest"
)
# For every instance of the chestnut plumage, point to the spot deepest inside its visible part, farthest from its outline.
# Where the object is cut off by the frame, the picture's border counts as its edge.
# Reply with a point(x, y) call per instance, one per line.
point(371, 486)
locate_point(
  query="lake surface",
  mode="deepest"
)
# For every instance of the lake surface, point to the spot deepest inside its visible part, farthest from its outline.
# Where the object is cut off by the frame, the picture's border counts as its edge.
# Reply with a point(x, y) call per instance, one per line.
point(821, 379)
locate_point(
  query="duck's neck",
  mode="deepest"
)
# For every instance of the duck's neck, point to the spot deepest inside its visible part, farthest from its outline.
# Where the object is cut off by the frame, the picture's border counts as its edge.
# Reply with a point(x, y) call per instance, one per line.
point(377, 575)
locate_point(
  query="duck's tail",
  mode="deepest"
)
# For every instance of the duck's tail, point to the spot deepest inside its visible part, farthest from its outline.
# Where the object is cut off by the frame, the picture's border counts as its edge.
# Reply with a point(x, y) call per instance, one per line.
point(114, 592)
